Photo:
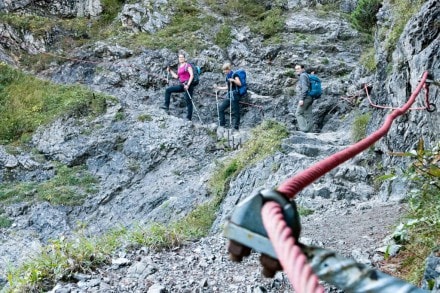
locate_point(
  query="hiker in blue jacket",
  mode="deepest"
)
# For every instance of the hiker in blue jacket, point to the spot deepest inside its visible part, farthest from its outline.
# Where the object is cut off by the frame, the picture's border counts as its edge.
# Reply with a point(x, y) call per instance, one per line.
point(232, 96)
point(304, 110)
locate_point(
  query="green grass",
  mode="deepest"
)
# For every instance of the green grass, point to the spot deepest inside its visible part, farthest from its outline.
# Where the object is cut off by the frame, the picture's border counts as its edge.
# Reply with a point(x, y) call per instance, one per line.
point(75, 31)
point(5, 222)
point(70, 186)
point(193, 226)
point(303, 211)
point(246, 9)
point(265, 141)
point(359, 127)
point(181, 33)
point(368, 60)
point(61, 258)
point(403, 10)
point(27, 102)
point(188, 29)
point(144, 118)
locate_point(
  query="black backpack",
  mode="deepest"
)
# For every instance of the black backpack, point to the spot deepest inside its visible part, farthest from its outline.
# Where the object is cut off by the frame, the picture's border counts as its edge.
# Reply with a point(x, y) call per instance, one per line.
point(196, 72)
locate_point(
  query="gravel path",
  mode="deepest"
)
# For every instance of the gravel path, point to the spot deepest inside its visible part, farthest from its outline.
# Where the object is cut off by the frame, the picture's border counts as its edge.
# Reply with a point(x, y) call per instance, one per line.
point(204, 266)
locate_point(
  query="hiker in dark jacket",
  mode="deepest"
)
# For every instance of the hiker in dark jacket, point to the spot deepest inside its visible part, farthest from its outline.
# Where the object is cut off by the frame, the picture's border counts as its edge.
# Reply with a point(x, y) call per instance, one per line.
point(232, 97)
point(185, 74)
point(304, 110)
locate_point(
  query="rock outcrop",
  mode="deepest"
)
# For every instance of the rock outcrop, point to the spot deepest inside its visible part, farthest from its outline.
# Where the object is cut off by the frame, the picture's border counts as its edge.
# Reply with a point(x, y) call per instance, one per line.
point(152, 166)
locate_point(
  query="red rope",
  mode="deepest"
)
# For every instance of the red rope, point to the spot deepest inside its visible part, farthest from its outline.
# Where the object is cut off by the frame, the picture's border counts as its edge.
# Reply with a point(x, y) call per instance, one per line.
point(426, 107)
point(289, 254)
point(295, 184)
point(291, 258)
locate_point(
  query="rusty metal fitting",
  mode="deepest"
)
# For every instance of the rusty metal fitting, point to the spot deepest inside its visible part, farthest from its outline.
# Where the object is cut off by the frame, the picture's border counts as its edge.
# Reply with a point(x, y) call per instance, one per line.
point(237, 251)
point(270, 266)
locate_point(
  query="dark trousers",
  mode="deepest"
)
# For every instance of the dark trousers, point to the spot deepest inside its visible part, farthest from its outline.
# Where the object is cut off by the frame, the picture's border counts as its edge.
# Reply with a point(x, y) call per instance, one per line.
point(180, 89)
point(235, 105)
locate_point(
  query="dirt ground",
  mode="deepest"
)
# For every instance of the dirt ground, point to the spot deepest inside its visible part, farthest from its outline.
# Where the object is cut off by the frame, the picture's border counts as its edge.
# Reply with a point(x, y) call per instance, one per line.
point(357, 227)
point(353, 230)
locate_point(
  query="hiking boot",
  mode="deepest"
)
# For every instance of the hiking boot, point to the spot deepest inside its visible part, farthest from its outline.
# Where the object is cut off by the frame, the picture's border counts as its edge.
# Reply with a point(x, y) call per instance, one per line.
point(165, 108)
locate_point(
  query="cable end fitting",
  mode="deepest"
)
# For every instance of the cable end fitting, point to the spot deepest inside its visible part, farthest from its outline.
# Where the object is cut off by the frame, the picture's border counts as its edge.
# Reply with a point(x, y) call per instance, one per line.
point(245, 227)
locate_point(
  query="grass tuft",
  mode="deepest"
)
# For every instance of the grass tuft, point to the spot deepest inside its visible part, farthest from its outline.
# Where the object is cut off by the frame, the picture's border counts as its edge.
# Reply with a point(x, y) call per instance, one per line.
point(69, 186)
point(359, 127)
point(60, 259)
point(27, 102)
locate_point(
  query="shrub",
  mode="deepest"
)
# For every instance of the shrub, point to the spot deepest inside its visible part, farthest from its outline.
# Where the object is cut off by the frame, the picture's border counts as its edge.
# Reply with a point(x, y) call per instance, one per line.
point(272, 22)
point(364, 15)
point(111, 8)
point(223, 38)
point(420, 229)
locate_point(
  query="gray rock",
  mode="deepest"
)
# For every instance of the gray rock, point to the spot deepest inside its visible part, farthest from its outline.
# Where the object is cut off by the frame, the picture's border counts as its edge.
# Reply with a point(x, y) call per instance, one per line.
point(157, 169)
point(157, 288)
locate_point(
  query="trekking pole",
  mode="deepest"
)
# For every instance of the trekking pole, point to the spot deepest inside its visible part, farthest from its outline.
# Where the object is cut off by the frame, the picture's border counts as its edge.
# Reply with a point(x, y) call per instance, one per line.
point(194, 106)
point(231, 95)
point(218, 111)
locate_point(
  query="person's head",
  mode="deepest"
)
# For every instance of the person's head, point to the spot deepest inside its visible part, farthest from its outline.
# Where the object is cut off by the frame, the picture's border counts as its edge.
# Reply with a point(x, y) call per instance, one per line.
point(182, 57)
point(226, 67)
point(299, 68)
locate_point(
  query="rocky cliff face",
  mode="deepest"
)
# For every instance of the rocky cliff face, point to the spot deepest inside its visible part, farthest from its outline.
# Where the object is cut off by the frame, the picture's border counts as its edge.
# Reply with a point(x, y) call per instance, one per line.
point(397, 76)
point(63, 8)
point(157, 169)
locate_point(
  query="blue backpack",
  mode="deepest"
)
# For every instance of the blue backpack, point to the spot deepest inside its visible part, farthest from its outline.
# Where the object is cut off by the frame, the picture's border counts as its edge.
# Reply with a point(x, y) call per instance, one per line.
point(315, 86)
point(196, 72)
point(242, 90)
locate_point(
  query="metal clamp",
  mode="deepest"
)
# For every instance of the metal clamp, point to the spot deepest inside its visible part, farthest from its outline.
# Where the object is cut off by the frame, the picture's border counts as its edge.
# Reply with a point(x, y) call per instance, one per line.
point(245, 225)
point(431, 108)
